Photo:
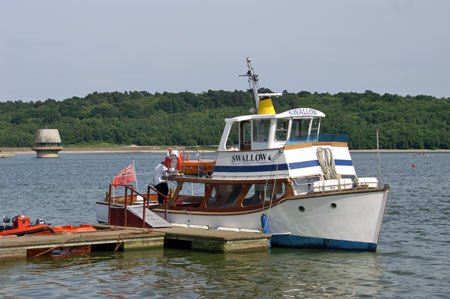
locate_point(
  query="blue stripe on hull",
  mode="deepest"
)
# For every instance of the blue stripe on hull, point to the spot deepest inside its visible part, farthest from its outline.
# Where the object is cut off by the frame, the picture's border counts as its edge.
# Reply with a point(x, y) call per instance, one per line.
point(343, 162)
point(304, 164)
point(275, 167)
point(256, 168)
point(310, 242)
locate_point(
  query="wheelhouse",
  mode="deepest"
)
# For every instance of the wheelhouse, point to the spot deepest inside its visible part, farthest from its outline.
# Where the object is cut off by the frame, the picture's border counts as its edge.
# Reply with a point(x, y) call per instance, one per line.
point(270, 131)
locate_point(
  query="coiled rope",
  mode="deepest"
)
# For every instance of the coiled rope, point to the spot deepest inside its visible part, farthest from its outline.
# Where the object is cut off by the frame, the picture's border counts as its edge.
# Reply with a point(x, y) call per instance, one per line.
point(325, 157)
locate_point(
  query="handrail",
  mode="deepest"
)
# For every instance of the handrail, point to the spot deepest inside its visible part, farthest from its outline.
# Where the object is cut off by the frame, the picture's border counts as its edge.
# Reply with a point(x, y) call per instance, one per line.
point(165, 197)
point(146, 202)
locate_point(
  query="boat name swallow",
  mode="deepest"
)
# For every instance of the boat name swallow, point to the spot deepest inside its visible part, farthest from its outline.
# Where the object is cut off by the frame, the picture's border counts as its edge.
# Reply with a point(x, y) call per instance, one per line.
point(303, 111)
point(249, 158)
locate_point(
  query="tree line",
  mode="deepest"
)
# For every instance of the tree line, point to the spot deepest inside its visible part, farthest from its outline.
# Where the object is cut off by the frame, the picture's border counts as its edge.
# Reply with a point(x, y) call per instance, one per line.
point(185, 118)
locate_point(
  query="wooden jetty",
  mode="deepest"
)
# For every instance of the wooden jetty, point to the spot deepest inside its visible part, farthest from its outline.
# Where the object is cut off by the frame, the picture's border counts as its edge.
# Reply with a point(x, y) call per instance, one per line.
point(105, 238)
point(115, 238)
point(213, 240)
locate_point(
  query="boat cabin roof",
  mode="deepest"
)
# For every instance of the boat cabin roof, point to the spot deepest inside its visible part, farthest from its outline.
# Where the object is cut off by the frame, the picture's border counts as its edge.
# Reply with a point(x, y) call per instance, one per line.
point(293, 113)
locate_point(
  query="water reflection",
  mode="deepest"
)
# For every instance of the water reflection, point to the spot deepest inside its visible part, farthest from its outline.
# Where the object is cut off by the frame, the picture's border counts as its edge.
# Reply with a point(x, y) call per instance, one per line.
point(183, 273)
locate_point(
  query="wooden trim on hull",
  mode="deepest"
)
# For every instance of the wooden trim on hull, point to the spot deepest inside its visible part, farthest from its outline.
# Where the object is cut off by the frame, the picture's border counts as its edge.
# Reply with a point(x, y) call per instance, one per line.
point(311, 144)
point(253, 209)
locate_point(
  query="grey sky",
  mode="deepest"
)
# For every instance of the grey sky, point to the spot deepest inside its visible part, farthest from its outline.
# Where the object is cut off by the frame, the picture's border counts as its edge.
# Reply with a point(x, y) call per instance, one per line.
point(59, 49)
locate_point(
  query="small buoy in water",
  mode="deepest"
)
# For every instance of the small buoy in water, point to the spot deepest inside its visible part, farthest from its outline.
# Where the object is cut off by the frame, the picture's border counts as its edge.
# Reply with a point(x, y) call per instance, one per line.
point(414, 165)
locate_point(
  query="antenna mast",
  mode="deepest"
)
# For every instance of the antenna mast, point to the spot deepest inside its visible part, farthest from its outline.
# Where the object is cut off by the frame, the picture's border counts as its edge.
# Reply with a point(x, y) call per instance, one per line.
point(252, 80)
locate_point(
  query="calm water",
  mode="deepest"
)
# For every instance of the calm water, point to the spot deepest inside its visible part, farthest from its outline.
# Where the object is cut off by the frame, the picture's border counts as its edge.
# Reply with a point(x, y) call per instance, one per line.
point(413, 259)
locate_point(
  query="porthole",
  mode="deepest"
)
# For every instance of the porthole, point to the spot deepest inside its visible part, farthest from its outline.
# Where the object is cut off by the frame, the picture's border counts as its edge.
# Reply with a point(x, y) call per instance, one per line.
point(333, 205)
point(301, 208)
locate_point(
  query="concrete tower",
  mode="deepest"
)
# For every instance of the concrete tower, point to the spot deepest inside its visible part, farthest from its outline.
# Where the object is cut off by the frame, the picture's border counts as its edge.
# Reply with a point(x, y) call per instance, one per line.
point(47, 143)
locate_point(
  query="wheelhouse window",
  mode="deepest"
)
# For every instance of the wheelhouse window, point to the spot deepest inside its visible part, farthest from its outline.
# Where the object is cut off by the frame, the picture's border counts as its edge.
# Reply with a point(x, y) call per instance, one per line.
point(299, 129)
point(233, 136)
point(261, 130)
point(245, 135)
point(315, 126)
point(281, 132)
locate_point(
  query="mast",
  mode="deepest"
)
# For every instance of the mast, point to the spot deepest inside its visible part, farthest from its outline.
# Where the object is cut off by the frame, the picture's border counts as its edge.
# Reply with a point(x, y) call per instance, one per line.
point(252, 80)
point(266, 106)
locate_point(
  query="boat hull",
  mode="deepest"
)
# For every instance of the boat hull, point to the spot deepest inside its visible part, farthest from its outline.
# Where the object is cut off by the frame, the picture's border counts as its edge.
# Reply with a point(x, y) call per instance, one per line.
point(334, 220)
point(339, 221)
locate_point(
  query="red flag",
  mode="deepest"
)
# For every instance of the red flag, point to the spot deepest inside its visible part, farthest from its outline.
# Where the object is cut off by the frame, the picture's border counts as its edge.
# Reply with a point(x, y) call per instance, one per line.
point(124, 176)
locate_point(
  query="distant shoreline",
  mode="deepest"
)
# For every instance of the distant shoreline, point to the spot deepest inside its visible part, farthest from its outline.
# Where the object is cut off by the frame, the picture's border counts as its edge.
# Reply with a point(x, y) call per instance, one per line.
point(164, 149)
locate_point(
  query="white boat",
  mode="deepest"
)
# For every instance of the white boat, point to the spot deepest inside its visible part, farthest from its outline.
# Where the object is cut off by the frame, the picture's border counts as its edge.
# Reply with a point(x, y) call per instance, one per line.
point(284, 178)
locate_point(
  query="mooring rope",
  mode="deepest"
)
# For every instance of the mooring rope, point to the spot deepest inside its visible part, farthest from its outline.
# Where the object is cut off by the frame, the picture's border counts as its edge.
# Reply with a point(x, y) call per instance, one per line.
point(271, 196)
point(119, 242)
point(54, 247)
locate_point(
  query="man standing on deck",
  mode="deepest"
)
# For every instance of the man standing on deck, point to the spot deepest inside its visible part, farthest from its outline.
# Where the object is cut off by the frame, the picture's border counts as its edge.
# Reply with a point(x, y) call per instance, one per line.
point(160, 184)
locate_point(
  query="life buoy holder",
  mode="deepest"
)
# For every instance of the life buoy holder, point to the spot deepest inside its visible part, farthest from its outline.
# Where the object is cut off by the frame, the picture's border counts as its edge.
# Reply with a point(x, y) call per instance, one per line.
point(171, 156)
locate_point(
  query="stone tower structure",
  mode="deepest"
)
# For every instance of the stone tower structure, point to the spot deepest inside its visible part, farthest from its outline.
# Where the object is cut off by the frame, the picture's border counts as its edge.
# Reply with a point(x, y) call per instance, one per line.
point(47, 143)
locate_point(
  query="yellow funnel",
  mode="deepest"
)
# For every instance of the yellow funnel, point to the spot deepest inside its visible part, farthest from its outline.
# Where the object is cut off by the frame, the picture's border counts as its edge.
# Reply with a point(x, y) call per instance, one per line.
point(265, 106)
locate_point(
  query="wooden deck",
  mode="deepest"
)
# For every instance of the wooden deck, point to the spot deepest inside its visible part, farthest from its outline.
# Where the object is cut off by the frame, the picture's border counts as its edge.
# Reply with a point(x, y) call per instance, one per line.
point(113, 238)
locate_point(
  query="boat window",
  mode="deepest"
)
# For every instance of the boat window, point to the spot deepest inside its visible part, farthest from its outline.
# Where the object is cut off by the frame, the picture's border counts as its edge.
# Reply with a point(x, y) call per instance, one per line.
point(299, 127)
point(254, 195)
point(305, 185)
point(282, 130)
point(233, 137)
point(261, 130)
point(315, 126)
point(193, 189)
point(224, 196)
point(274, 194)
point(259, 192)
point(245, 134)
